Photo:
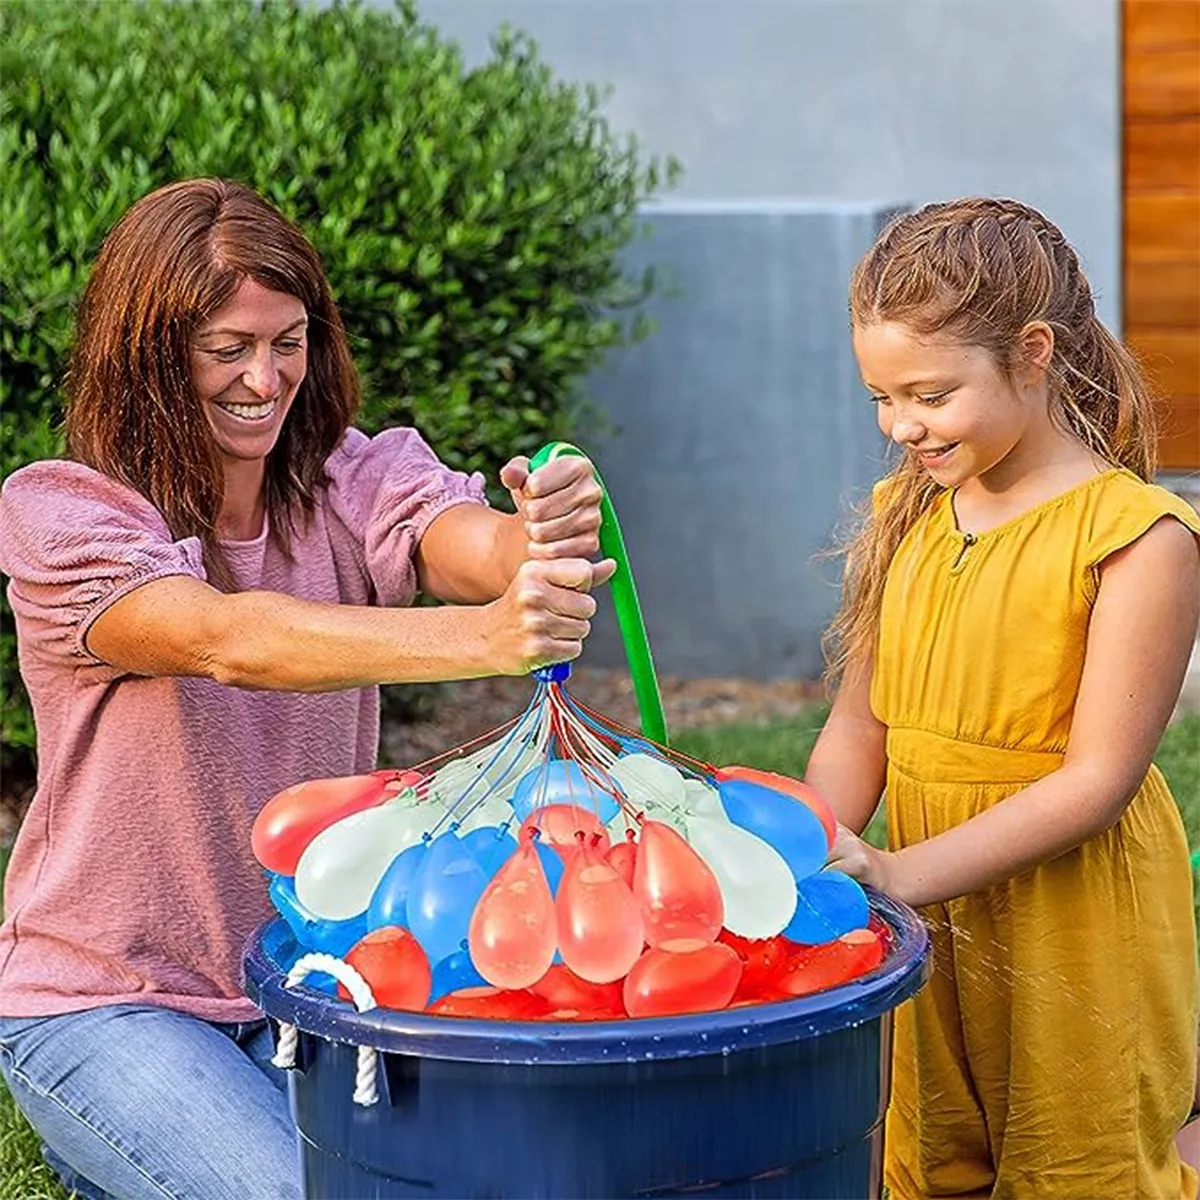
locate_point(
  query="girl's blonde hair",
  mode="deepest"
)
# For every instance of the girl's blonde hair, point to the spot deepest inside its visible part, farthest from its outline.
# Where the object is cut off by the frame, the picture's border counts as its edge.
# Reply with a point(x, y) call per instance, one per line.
point(981, 270)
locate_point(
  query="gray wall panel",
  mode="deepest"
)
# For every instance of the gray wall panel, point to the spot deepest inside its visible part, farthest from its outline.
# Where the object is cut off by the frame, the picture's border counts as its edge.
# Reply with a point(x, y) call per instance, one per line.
point(742, 429)
point(911, 100)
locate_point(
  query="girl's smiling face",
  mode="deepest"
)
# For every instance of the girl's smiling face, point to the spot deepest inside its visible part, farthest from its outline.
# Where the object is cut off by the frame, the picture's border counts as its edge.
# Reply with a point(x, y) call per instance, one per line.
point(946, 402)
point(248, 361)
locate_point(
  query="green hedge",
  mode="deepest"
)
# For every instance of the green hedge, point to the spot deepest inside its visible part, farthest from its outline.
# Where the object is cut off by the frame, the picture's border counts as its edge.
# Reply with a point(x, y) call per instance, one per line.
point(470, 219)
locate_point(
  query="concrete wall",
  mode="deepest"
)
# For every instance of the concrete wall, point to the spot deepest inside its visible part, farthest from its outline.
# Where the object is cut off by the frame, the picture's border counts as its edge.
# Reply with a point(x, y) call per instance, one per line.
point(741, 428)
point(860, 100)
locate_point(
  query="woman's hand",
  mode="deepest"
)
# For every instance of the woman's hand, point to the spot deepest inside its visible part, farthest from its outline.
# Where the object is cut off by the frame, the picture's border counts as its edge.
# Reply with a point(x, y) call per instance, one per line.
point(860, 860)
point(544, 615)
point(559, 504)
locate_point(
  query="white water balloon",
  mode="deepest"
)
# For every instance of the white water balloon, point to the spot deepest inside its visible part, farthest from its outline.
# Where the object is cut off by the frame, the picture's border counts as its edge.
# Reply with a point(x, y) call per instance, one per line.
point(757, 885)
point(341, 867)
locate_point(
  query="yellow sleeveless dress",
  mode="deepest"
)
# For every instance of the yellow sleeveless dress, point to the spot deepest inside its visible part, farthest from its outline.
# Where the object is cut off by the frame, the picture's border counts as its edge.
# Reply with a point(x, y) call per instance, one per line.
point(1052, 1053)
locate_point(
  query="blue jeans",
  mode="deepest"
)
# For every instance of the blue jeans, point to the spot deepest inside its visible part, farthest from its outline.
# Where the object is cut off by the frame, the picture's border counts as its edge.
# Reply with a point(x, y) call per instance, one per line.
point(141, 1103)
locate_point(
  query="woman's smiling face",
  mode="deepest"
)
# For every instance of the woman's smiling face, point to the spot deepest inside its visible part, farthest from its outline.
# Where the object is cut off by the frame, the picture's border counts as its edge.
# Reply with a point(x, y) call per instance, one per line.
point(945, 402)
point(248, 361)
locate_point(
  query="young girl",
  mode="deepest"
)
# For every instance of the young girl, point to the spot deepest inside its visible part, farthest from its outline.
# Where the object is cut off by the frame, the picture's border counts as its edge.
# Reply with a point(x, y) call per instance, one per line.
point(1018, 616)
point(206, 594)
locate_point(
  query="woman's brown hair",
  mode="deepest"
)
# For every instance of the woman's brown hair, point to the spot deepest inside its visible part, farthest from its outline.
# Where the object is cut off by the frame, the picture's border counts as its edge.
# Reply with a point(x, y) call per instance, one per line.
point(172, 260)
point(980, 271)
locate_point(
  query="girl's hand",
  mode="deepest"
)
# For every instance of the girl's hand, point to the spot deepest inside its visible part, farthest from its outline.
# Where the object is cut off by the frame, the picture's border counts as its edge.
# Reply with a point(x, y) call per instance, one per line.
point(543, 616)
point(560, 505)
point(860, 860)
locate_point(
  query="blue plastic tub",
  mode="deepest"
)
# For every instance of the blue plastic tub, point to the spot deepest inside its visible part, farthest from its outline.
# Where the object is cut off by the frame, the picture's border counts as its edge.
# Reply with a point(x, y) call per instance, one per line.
point(775, 1100)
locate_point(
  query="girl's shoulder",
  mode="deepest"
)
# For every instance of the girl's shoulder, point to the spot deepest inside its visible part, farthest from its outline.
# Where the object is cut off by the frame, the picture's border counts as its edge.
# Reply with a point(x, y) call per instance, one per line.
point(1118, 511)
point(1123, 506)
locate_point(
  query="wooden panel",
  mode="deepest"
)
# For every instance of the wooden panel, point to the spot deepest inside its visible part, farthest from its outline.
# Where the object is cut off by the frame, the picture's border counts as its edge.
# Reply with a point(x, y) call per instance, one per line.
point(1164, 83)
point(1170, 358)
point(1161, 23)
point(1179, 438)
point(1163, 156)
point(1161, 210)
point(1162, 229)
point(1163, 294)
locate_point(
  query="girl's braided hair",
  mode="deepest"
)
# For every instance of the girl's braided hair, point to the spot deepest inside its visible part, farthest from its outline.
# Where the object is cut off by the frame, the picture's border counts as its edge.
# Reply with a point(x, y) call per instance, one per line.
point(980, 271)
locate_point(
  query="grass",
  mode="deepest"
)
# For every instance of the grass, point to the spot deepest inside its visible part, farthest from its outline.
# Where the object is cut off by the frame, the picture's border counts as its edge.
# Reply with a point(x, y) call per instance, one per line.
point(781, 745)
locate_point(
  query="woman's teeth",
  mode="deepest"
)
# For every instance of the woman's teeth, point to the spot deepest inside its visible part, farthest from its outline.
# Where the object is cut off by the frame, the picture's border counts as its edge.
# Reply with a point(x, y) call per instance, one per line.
point(940, 452)
point(249, 412)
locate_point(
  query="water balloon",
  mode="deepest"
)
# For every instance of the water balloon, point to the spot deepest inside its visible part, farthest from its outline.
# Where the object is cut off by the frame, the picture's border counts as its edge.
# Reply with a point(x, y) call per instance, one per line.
point(678, 894)
point(512, 934)
point(600, 932)
point(395, 966)
point(683, 976)
point(290, 820)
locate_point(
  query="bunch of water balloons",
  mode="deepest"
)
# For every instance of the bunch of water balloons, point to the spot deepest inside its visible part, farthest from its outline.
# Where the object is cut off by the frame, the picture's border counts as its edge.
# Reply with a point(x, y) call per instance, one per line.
point(566, 868)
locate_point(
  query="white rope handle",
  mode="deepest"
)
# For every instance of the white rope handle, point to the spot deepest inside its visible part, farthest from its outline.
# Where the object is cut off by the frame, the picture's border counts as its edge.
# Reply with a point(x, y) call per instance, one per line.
point(365, 1092)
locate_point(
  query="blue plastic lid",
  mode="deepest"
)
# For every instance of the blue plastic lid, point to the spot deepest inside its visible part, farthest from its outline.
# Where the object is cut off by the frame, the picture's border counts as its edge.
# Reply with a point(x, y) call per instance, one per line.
point(555, 673)
point(272, 950)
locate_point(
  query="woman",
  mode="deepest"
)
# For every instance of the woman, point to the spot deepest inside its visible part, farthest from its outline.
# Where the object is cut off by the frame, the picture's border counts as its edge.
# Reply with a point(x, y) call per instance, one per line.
point(208, 591)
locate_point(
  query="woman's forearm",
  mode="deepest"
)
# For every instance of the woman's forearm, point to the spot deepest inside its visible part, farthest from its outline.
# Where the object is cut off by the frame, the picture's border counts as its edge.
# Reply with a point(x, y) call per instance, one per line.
point(301, 646)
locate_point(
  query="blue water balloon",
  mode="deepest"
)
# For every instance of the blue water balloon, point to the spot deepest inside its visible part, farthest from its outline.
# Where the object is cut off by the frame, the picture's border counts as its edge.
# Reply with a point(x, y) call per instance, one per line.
point(562, 781)
point(828, 905)
point(389, 901)
point(788, 825)
point(453, 972)
point(311, 931)
point(444, 892)
point(491, 845)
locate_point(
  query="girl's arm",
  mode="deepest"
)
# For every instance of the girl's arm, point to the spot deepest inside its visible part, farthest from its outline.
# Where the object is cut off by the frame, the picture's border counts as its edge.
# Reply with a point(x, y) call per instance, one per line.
point(849, 762)
point(179, 625)
point(1142, 630)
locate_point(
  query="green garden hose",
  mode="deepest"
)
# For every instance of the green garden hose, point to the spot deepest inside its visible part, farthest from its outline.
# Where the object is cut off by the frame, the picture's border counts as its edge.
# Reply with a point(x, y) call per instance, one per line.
point(625, 601)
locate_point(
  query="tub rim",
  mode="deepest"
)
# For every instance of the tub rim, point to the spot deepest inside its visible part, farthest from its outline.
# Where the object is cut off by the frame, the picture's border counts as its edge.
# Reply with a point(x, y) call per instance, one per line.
point(272, 948)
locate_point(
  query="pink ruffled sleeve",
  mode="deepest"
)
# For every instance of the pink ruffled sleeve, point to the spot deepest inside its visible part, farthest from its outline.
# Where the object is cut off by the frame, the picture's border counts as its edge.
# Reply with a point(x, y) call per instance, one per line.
point(73, 542)
point(387, 490)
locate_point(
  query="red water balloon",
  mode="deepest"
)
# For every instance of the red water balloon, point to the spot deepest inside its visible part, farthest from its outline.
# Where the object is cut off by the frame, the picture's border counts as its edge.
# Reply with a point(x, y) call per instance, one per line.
point(600, 934)
point(686, 975)
point(391, 960)
point(490, 1004)
point(623, 856)
point(678, 894)
point(561, 988)
point(789, 787)
point(816, 968)
point(292, 818)
point(762, 961)
point(560, 825)
point(396, 781)
point(513, 930)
